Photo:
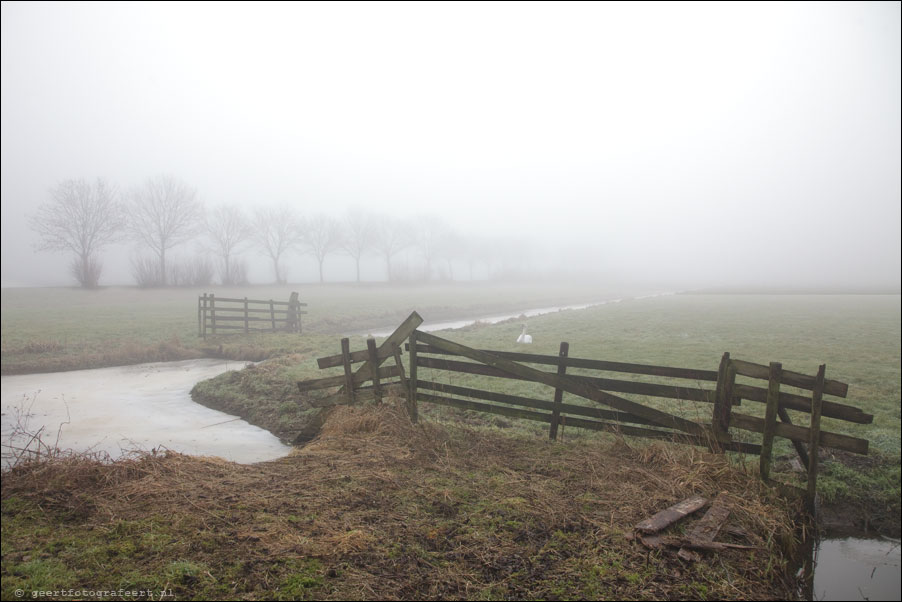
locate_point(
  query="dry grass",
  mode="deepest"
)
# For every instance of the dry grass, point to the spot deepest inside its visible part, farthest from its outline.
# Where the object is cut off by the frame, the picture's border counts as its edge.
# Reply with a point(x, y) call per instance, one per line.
point(379, 508)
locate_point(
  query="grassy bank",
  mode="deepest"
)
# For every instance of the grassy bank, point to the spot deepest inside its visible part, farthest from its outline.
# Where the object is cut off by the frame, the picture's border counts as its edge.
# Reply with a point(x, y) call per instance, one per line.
point(378, 508)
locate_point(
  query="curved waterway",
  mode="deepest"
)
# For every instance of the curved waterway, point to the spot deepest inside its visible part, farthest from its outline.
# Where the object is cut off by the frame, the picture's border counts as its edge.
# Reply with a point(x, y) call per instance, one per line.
point(428, 326)
point(139, 407)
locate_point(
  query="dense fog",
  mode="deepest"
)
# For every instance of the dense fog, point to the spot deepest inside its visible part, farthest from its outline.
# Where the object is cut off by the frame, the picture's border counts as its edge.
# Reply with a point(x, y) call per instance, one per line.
point(681, 144)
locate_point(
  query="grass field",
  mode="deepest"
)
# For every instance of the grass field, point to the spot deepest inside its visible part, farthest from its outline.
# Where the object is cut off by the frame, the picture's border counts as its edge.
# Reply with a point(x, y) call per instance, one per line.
point(857, 336)
point(55, 329)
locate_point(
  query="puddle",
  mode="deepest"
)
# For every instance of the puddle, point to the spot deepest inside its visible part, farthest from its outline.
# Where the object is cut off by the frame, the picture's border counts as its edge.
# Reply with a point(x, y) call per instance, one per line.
point(115, 410)
point(852, 568)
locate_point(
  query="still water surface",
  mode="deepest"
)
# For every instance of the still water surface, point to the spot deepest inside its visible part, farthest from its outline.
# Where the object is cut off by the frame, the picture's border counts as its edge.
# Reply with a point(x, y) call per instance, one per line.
point(142, 407)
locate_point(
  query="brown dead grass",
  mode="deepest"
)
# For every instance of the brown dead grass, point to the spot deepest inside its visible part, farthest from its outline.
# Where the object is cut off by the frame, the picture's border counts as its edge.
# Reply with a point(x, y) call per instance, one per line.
point(393, 510)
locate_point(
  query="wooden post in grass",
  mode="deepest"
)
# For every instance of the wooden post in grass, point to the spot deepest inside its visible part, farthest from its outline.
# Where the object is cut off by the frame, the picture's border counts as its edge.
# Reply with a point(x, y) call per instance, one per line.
point(720, 419)
point(412, 408)
point(396, 351)
point(200, 327)
point(346, 362)
point(213, 312)
point(558, 392)
point(374, 361)
point(293, 315)
point(246, 329)
point(770, 418)
point(817, 403)
point(272, 314)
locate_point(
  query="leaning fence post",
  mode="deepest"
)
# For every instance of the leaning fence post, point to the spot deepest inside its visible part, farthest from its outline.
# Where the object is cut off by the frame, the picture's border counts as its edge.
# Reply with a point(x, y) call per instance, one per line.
point(272, 315)
point(374, 362)
point(346, 362)
point(770, 418)
point(396, 351)
point(720, 419)
point(412, 379)
point(559, 393)
point(814, 436)
point(213, 312)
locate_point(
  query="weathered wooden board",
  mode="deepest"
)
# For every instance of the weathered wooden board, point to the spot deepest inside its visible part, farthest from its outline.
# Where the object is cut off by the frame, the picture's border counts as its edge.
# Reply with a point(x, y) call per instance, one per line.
point(575, 362)
point(571, 385)
point(708, 526)
point(793, 379)
point(801, 433)
point(668, 516)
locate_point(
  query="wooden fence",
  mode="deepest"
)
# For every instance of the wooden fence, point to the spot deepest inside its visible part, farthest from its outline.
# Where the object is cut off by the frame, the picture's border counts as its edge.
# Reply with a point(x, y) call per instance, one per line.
point(717, 390)
point(217, 315)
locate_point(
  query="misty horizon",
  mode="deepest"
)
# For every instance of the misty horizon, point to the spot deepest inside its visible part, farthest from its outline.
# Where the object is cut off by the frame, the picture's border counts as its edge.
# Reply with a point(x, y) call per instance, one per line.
point(689, 145)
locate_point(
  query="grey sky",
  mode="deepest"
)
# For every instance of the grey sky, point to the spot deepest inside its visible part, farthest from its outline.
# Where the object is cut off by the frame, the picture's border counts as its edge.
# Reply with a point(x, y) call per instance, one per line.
point(715, 143)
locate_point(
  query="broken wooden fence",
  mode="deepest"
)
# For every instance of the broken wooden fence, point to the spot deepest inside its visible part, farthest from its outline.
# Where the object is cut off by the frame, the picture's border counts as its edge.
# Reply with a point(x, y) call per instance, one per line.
point(718, 390)
point(228, 315)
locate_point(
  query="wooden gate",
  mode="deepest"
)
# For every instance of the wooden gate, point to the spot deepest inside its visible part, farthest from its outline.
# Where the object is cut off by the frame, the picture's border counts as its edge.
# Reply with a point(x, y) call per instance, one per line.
point(223, 315)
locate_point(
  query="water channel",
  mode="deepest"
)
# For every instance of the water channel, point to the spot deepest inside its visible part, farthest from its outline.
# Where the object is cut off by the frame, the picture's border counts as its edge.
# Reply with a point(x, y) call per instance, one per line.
point(140, 407)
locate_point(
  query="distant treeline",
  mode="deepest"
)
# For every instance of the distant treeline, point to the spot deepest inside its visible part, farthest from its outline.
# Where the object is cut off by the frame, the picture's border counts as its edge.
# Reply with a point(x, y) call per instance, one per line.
point(83, 218)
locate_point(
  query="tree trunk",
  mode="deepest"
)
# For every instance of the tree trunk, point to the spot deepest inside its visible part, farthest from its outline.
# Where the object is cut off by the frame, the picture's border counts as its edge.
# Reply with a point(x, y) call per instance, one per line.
point(162, 267)
point(275, 263)
point(321, 270)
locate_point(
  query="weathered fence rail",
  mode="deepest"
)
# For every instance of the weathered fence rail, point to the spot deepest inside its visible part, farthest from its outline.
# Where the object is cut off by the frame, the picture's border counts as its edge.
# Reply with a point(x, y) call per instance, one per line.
point(217, 315)
point(617, 413)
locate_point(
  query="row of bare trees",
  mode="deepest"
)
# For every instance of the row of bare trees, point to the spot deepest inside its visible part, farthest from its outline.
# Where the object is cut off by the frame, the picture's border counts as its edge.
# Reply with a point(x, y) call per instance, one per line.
point(82, 218)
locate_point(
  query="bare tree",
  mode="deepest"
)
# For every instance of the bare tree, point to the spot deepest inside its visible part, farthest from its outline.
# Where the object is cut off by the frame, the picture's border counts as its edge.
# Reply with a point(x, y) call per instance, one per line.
point(390, 237)
point(162, 214)
point(227, 227)
point(432, 238)
point(275, 232)
point(81, 219)
point(322, 235)
point(358, 236)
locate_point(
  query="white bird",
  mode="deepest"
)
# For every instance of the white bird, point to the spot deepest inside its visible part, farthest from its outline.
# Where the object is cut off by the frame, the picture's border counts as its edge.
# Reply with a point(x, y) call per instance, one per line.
point(524, 338)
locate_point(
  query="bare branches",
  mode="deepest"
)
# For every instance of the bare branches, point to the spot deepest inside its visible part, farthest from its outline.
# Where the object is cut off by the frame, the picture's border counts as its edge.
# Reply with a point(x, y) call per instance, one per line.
point(81, 219)
point(359, 235)
point(162, 214)
point(227, 228)
point(275, 232)
point(322, 235)
point(390, 237)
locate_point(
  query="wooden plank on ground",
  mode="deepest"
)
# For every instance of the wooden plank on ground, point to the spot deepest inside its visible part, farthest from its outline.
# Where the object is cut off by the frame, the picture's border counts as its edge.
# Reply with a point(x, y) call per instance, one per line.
point(668, 516)
point(707, 528)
